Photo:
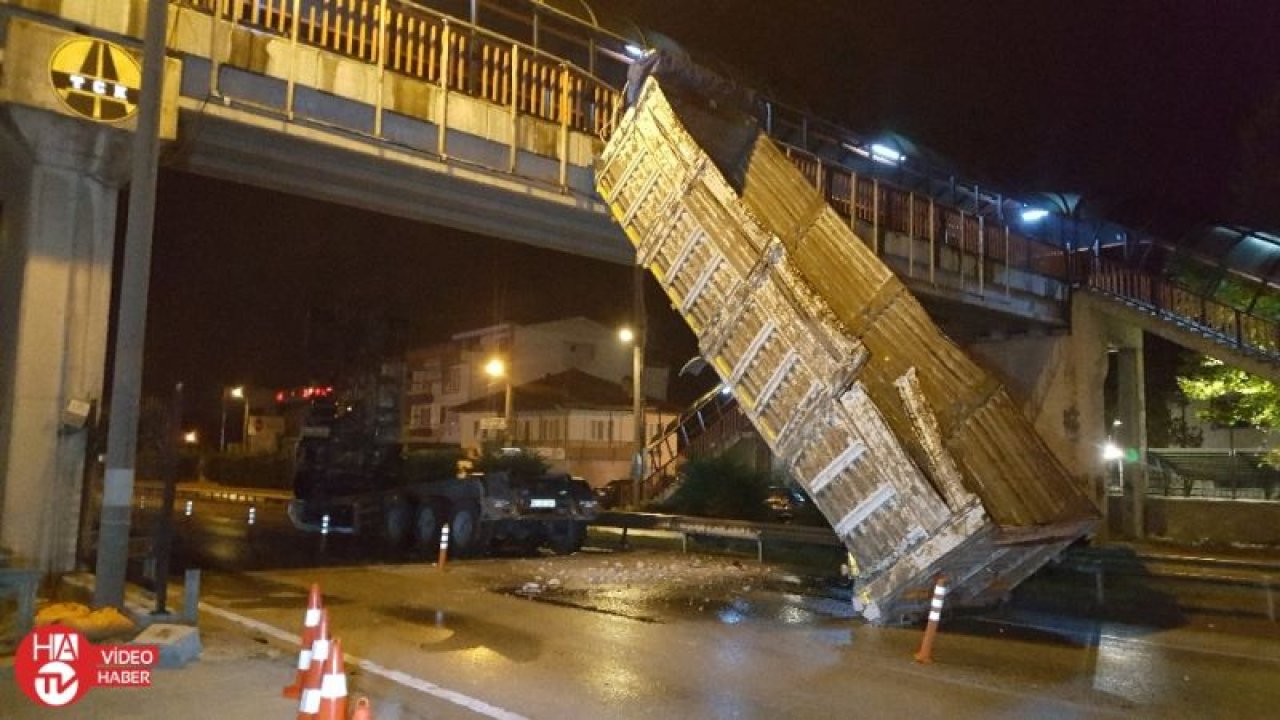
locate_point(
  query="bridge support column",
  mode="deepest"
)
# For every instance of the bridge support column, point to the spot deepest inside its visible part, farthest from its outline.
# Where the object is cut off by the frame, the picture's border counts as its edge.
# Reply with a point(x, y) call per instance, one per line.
point(59, 182)
point(1059, 381)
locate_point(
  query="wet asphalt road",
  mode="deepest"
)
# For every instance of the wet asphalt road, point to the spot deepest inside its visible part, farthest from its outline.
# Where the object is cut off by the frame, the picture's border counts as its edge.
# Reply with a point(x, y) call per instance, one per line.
point(650, 633)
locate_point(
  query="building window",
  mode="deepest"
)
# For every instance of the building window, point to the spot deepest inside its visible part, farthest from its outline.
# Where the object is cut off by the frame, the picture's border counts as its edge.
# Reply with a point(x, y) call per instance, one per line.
point(420, 417)
point(453, 379)
point(420, 384)
point(442, 410)
point(597, 430)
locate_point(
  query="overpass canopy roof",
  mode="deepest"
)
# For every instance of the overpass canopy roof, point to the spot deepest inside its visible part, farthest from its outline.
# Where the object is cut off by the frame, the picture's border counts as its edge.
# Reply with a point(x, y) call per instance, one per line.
point(1240, 250)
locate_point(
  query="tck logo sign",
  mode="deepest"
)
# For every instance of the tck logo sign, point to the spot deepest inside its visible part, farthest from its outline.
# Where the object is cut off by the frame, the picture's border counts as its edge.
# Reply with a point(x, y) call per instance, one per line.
point(55, 665)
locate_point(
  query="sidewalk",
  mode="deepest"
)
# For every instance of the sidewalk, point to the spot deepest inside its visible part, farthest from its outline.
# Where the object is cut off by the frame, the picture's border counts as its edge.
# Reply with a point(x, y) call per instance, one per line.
point(240, 674)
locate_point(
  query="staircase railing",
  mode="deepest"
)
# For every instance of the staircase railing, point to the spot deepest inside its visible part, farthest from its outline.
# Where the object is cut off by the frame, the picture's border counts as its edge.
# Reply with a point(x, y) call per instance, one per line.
point(1172, 300)
point(687, 435)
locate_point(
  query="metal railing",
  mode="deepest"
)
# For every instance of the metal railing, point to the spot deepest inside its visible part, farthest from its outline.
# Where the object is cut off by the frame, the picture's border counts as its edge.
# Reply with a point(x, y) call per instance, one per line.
point(1168, 298)
point(885, 207)
point(406, 39)
point(691, 434)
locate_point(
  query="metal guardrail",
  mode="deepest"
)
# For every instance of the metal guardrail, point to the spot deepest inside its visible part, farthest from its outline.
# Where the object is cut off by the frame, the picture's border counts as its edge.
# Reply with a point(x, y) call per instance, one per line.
point(1171, 300)
point(687, 526)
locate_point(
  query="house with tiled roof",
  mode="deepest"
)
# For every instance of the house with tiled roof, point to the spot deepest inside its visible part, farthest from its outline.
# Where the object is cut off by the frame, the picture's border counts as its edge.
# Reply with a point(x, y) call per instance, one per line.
point(582, 424)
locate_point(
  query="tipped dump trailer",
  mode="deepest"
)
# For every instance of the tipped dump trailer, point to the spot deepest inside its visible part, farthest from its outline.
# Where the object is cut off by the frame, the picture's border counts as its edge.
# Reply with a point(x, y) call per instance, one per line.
point(917, 457)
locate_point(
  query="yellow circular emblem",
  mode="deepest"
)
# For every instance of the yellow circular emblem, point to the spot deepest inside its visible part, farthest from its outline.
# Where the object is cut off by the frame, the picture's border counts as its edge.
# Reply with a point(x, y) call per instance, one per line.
point(96, 79)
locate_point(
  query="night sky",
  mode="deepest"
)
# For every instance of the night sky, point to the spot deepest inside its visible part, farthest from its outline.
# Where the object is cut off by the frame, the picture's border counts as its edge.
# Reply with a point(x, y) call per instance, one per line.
point(1137, 105)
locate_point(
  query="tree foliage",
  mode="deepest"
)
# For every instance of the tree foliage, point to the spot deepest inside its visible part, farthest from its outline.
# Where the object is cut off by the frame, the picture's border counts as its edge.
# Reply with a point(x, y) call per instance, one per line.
point(1232, 397)
point(721, 487)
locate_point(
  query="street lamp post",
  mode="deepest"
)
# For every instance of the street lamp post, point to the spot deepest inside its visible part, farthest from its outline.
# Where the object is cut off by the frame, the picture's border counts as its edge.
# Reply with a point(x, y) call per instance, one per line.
point(238, 393)
point(495, 369)
point(627, 335)
point(636, 338)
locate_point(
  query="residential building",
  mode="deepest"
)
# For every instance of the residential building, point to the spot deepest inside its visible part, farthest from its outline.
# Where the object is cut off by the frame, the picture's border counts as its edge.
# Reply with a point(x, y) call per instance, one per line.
point(446, 375)
point(582, 424)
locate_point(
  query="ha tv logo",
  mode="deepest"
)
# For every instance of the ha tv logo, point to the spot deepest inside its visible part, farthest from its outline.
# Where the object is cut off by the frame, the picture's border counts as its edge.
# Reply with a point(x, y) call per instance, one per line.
point(55, 665)
point(52, 664)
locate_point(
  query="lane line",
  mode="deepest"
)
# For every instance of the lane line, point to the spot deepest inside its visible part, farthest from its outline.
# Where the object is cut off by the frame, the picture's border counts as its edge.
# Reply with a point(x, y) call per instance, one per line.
point(396, 676)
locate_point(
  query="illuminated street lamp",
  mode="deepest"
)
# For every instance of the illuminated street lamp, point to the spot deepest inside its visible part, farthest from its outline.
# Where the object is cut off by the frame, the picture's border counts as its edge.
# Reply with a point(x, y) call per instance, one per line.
point(627, 335)
point(191, 437)
point(497, 369)
point(236, 393)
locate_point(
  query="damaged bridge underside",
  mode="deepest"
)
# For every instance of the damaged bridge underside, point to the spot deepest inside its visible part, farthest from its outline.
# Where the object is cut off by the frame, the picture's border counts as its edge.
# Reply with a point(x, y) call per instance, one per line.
point(917, 457)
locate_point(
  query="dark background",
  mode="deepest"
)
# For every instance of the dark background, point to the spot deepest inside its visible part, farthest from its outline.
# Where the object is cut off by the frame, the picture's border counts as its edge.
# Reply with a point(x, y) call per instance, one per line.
point(1152, 111)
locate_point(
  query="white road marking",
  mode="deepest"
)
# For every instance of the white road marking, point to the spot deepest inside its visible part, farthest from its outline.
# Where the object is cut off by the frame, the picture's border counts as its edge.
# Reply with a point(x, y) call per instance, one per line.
point(396, 676)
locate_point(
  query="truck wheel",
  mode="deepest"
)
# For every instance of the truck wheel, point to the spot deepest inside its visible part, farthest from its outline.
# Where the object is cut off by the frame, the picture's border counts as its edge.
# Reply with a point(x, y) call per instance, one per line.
point(462, 530)
point(566, 538)
point(424, 528)
point(395, 524)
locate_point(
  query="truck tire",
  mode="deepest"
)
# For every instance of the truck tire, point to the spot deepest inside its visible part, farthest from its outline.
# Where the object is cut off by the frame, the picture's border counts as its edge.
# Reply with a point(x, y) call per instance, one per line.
point(566, 537)
point(425, 528)
point(395, 524)
point(463, 530)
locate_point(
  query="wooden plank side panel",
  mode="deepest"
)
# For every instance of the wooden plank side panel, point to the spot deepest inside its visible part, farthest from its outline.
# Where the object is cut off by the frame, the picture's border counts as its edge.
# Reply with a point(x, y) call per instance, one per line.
point(812, 331)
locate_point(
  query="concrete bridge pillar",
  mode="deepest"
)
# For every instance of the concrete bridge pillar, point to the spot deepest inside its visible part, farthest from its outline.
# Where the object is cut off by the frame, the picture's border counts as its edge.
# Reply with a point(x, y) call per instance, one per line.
point(59, 183)
point(1060, 380)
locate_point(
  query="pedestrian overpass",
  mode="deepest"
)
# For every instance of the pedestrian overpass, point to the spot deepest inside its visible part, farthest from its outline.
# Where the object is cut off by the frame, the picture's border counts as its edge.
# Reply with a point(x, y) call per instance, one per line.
point(486, 116)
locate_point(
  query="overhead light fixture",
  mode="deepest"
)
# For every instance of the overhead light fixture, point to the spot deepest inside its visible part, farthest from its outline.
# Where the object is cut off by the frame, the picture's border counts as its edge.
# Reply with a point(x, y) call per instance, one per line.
point(1031, 215)
point(885, 154)
point(633, 51)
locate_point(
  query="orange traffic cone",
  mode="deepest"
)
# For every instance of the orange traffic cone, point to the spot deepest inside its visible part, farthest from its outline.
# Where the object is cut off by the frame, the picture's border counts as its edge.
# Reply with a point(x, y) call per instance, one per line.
point(309, 623)
point(309, 701)
point(362, 711)
point(333, 687)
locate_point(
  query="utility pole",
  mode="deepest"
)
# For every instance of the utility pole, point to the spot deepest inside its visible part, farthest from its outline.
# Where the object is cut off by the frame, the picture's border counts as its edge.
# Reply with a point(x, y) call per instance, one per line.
point(637, 385)
point(126, 384)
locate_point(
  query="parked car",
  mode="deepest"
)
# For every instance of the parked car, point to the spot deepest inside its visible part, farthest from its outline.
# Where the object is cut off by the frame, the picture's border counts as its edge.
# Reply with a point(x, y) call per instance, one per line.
point(785, 502)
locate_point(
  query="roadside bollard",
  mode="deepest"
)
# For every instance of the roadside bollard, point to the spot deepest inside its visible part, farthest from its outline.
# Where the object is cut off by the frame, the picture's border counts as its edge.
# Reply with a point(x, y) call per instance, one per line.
point(444, 544)
point(925, 653)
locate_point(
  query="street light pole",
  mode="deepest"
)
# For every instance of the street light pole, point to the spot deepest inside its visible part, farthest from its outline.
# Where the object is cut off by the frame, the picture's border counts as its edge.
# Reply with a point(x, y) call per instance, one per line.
point(244, 430)
point(131, 322)
point(496, 368)
point(637, 385)
point(222, 426)
point(508, 417)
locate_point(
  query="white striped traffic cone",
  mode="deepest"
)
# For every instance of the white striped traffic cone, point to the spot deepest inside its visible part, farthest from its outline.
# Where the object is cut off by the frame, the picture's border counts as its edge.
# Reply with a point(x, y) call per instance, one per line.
point(333, 687)
point(310, 622)
point(309, 701)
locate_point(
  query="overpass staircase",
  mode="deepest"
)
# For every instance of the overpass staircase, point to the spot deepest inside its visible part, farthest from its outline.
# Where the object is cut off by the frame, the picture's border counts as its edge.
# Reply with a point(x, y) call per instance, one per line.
point(713, 424)
point(1171, 310)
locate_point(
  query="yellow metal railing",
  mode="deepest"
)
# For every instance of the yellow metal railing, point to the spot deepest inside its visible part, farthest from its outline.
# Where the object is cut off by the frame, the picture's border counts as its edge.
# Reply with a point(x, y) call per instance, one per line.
point(416, 42)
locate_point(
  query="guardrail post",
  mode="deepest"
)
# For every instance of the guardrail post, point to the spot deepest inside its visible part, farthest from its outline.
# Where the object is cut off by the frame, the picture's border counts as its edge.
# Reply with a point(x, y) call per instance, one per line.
point(442, 116)
point(515, 108)
point(382, 67)
point(911, 234)
point(1007, 269)
point(564, 126)
point(933, 239)
point(291, 81)
point(875, 216)
point(215, 52)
